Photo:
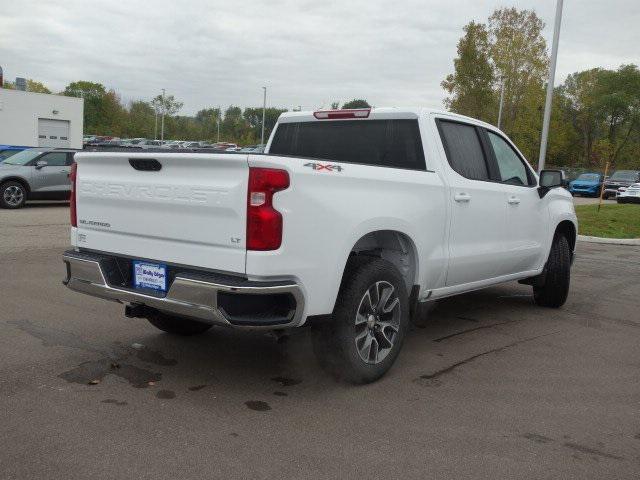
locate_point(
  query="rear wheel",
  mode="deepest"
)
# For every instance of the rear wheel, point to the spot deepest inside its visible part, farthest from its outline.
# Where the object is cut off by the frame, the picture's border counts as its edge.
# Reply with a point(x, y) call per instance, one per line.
point(12, 195)
point(369, 322)
point(555, 289)
point(177, 325)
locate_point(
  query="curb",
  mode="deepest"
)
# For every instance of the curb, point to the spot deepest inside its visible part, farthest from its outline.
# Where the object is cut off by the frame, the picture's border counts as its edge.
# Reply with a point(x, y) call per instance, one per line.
point(615, 241)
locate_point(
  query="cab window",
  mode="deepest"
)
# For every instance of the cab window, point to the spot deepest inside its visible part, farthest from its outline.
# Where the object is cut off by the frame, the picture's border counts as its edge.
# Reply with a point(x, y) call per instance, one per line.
point(510, 166)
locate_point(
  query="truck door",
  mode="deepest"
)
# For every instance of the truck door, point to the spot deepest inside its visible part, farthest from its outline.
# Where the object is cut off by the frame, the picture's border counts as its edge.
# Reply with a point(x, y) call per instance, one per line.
point(477, 205)
point(527, 216)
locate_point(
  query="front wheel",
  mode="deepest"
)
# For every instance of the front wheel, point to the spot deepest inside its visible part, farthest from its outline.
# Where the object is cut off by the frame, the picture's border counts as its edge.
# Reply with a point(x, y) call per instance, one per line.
point(555, 289)
point(369, 322)
point(12, 195)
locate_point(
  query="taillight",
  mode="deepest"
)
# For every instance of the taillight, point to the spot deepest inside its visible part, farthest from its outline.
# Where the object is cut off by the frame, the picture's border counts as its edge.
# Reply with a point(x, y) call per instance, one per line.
point(337, 114)
point(264, 223)
point(72, 200)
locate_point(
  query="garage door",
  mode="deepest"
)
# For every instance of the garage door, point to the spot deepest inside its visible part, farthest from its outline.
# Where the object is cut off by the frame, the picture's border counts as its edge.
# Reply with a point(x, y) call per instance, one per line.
point(53, 133)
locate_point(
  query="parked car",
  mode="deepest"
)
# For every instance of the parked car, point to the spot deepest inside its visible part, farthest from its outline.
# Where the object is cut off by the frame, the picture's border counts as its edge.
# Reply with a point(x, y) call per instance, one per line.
point(173, 144)
point(587, 184)
point(192, 144)
point(35, 174)
point(8, 150)
point(620, 180)
point(111, 143)
point(95, 141)
point(146, 144)
point(630, 195)
point(350, 220)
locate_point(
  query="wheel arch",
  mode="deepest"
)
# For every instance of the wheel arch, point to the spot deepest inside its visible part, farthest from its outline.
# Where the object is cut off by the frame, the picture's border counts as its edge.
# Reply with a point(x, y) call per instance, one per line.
point(568, 229)
point(20, 180)
point(394, 246)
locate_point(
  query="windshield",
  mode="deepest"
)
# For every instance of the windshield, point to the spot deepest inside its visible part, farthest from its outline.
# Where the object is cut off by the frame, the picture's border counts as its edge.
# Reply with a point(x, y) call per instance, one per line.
point(628, 175)
point(23, 157)
point(589, 177)
point(7, 153)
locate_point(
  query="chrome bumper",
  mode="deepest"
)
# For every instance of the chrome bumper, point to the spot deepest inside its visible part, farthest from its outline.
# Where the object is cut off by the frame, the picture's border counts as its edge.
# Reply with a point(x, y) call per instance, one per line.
point(190, 295)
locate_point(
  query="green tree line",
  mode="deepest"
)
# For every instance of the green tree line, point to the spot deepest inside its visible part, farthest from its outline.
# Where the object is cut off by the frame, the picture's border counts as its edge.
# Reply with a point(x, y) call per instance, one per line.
point(596, 112)
point(105, 114)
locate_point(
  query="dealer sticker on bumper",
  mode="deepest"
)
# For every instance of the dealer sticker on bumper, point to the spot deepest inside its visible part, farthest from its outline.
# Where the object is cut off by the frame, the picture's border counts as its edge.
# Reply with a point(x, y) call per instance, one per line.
point(150, 275)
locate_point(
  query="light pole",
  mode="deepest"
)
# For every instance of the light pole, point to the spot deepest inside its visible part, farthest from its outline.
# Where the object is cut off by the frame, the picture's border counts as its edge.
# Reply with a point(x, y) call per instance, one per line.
point(219, 112)
point(501, 102)
point(155, 128)
point(264, 108)
point(162, 123)
point(552, 74)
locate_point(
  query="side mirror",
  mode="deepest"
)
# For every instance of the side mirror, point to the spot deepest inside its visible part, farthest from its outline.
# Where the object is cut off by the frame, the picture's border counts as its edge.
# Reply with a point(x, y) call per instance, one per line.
point(551, 179)
point(41, 163)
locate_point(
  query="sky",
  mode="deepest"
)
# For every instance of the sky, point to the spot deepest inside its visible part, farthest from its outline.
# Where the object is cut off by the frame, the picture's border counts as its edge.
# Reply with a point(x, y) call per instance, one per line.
point(307, 53)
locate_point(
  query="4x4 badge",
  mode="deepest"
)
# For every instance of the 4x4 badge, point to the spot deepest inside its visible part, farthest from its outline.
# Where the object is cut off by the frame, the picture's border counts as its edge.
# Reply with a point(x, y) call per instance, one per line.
point(320, 166)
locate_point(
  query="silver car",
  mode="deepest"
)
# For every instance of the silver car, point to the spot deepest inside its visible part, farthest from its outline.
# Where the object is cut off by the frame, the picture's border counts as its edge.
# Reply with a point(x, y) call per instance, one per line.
point(35, 174)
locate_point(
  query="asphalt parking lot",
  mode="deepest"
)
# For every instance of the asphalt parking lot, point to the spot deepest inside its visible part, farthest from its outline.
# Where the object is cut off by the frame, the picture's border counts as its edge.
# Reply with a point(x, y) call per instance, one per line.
point(494, 387)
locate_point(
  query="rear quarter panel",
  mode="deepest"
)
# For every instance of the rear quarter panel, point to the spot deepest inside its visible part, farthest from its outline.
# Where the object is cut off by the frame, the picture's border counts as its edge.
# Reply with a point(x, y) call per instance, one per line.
point(326, 212)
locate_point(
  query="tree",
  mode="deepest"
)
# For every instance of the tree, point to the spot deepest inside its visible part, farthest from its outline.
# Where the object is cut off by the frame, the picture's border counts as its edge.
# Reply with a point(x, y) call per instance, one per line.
point(471, 85)
point(519, 54)
point(37, 87)
point(510, 49)
point(580, 91)
point(253, 117)
point(93, 95)
point(169, 105)
point(32, 86)
point(335, 105)
point(84, 89)
point(141, 122)
point(356, 103)
point(618, 105)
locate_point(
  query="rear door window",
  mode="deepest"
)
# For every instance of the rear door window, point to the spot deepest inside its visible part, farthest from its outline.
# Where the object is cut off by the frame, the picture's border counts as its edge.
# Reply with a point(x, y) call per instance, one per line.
point(464, 149)
point(384, 143)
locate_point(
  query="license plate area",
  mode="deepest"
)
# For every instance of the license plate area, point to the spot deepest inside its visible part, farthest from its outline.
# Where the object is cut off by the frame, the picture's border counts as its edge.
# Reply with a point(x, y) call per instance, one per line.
point(149, 276)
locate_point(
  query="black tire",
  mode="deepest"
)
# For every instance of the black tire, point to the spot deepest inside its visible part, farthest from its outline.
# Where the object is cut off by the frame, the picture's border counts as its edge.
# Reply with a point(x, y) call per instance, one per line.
point(12, 195)
point(177, 325)
point(557, 277)
point(335, 341)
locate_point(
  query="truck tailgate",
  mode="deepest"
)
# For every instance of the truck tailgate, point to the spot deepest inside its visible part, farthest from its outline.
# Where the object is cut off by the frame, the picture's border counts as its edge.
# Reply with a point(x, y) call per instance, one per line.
point(190, 211)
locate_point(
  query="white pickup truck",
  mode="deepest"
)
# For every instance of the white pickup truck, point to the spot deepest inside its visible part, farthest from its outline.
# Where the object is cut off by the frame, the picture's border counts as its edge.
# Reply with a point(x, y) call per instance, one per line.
point(348, 221)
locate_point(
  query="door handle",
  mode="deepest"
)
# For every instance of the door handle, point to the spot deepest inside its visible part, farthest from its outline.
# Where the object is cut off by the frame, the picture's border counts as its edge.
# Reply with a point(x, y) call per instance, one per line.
point(513, 200)
point(462, 197)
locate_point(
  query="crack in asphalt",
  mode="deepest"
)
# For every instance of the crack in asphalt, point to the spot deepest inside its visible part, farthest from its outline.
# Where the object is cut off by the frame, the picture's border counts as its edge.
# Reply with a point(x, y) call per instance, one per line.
point(591, 451)
point(450, 368)
point(446, 337)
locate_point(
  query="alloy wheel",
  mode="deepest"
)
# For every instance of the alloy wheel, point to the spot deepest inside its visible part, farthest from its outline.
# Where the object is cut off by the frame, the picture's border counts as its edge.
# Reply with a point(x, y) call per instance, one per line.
point(13, 195)
point(377, 322)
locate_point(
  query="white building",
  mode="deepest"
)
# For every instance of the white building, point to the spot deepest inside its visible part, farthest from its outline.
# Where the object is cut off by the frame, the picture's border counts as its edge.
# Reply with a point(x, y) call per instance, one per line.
point(40, 119)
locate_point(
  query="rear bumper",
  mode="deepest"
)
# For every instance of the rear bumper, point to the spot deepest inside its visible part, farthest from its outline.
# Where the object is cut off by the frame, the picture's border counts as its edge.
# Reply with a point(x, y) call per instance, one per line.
point(210, 298)
point(628, 199)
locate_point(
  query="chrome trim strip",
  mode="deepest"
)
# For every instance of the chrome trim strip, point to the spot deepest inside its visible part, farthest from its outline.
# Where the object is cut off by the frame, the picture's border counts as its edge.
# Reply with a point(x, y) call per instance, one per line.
point(187, 297)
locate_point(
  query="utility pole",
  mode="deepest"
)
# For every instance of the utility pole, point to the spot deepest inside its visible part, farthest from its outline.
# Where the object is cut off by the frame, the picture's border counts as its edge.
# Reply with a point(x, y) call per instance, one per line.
point(219, 112)
point(163, 109)
point(264, 109)
point(155, 128)
point(501, 102)
point(550, 81)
